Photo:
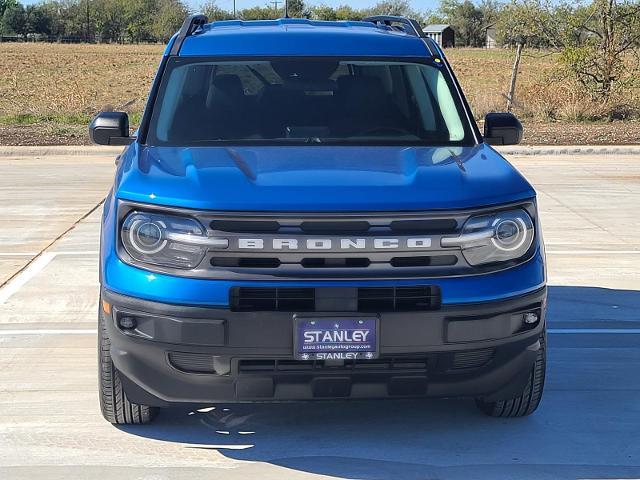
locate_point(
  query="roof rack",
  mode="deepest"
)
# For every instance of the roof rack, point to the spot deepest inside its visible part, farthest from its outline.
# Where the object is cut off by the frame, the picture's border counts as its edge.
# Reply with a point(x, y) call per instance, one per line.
point(190, 25)
point(411, 26)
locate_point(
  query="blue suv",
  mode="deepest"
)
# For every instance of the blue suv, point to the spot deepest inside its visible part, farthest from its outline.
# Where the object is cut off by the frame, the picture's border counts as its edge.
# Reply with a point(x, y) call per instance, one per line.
point(308, 211)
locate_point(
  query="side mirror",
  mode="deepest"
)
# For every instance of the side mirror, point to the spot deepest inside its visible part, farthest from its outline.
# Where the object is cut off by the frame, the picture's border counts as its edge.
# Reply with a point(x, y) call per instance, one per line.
point(502, 129)
point(110, 128)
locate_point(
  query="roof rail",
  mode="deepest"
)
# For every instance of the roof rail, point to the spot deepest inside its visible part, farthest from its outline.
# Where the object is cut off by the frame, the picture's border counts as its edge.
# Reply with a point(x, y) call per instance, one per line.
point(410, 26)
point(388, 20)
point(190, 25)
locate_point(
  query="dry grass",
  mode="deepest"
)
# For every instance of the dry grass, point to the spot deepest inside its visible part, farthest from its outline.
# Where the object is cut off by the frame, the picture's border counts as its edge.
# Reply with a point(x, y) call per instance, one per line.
point(73, 81)
point(545, 92)
point(60, 86)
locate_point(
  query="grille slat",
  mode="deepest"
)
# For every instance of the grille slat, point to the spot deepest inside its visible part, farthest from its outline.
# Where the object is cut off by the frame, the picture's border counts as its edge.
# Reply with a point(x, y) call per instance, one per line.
point(472, 358)
point(245, 226)
point(337, 227)
point(439, 225)
point(192, 362)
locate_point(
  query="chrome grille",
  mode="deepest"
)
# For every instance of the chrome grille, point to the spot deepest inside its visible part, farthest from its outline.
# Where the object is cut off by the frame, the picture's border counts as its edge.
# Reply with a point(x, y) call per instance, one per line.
point(333, 246)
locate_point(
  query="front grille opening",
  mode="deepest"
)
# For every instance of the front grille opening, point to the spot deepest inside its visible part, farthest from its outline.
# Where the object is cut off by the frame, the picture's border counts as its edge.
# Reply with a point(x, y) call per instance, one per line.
point(245, 262)
point(398, 299)
point(316, 262)
point(369, 299)
point(248, 299)
point(438, 225)
point(258, 366)
point(332, 228)
point(192, 362)
point(424, 261)
point(472, 359)
point(245, 226)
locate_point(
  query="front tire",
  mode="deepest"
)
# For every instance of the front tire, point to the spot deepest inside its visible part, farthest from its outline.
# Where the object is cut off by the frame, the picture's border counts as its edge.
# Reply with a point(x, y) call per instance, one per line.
point(527, 402)
point(114, 404)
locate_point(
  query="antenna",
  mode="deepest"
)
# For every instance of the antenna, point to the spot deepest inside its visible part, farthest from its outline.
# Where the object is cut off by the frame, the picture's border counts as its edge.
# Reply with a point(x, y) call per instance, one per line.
point(286, 8)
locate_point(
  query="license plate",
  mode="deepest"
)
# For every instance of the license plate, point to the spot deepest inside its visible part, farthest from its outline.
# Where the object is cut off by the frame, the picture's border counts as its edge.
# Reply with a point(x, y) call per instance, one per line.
point(335, 338)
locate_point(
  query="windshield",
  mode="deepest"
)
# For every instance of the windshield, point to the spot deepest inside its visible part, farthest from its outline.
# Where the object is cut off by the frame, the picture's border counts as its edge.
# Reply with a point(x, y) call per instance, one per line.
point(306, 101)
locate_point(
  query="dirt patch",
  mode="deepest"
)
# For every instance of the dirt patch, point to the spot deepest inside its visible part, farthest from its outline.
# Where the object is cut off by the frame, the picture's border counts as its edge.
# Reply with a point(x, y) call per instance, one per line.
point(612, 133)
point(30, 135)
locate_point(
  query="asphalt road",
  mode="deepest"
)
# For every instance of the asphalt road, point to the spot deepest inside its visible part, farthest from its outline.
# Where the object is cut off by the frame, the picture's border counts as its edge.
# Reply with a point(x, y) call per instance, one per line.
point(588, 426)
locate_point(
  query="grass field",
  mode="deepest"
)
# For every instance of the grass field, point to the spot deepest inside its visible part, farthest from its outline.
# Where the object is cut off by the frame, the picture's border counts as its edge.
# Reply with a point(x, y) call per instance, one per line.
point(48, 92)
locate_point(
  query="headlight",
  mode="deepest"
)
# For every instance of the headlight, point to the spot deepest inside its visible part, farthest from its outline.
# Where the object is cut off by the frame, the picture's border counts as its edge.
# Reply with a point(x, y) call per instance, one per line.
point(498, 237)
point(167, 240)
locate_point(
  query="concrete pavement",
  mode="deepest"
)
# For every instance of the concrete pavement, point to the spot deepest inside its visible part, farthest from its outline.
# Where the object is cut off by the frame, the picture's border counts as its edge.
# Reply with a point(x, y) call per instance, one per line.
point(50, 426)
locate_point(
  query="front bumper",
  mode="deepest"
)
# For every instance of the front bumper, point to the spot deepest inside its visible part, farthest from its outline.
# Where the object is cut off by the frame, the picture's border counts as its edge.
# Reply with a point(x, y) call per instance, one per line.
point(189, 354)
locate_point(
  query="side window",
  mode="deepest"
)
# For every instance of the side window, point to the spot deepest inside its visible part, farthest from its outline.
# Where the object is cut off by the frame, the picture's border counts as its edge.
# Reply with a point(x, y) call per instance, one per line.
point(446, 103)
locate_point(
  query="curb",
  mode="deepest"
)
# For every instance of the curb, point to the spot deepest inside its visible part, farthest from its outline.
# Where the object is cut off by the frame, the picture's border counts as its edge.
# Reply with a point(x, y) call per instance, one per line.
point(547, 150)
point(551, 150)
point(66, 150)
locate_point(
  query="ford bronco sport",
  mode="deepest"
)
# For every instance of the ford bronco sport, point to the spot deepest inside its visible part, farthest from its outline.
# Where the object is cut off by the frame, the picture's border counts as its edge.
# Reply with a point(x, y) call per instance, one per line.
point(308, 211)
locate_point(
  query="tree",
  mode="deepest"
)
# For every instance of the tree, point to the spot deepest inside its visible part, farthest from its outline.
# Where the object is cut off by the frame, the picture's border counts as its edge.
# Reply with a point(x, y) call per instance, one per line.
point(14, 20)
point(467, 21)
point(392, 7)
point(111, 20)
point(526, 23)
point(490, 10)
point(37, 20)
point(323, 12)
point(345, 12)
point(168, 18)
point(70, 18)
point(142, 21)
point(4, 4)
point(215, 12)
point(604, 33)
point(260, 13)
point(433, 17)
point(297, 9)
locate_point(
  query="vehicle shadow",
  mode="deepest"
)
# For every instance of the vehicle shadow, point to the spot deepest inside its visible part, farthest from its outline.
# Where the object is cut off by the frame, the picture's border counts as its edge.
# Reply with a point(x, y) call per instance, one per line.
point(577, 433)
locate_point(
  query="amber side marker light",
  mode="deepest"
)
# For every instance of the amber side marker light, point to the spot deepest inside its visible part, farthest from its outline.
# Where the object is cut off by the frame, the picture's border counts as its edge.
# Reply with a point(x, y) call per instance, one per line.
point(106, 306)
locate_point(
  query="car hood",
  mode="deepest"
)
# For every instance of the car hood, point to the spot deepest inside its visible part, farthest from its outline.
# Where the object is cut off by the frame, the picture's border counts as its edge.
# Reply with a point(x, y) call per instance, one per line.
point(319, 178)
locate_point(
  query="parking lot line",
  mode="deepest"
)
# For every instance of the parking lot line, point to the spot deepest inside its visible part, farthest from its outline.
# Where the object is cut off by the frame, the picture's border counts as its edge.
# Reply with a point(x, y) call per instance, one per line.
point(16, 283)
point(595, 331)
point(61, 331)
point(79, 252)
point(593, 252)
